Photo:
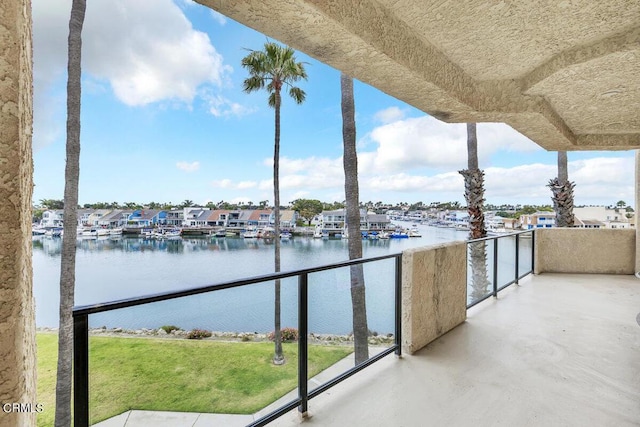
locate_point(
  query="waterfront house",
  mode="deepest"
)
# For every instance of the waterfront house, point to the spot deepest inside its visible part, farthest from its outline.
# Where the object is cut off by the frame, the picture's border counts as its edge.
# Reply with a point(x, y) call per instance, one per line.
point(288, 218)
point(238, 219)
point(260, 218)
point(335, 220)
point(609, 217)
point(94, 217)
point(115, 218)
point(538, 220)
point(218, 218)
point(147, 218)
point(175, 217)
point(195, 216)
point(52, 218)
point(587, 223)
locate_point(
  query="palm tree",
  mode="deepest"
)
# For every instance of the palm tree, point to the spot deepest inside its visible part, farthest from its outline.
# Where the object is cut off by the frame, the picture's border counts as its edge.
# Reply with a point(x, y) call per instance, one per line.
point(70, 215)
point(273, 69)
point(562, 191)
point(474, 195)
point(350, 162)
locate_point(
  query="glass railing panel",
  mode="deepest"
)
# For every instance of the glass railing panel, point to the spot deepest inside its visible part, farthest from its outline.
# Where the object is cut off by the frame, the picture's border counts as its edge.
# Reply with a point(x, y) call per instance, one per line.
point(506, 260)
point(480, 267)
point(332, 328)
point(208, 353)
point(525, 262)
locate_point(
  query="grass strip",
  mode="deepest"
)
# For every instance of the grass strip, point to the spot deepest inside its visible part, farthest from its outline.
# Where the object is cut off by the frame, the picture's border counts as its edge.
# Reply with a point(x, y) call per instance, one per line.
point(180, 375)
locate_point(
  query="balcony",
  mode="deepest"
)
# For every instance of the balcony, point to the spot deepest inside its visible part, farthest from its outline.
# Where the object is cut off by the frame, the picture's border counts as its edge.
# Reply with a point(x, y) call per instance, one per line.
point(554, 348)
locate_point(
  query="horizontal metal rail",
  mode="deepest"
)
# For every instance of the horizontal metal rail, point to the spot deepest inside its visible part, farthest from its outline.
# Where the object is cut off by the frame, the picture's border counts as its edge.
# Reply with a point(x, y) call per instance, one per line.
point(164, 296)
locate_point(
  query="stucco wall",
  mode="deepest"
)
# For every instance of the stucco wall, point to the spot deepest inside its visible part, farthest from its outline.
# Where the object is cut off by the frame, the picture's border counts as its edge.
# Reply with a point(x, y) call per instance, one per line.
point(434, 293)
point(17, 326)
point(579, 250)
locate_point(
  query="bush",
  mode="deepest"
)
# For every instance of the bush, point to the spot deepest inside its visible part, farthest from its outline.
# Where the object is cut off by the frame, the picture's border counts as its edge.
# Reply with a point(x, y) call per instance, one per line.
point(169, 328)
point(287, 334)
point(198, 334)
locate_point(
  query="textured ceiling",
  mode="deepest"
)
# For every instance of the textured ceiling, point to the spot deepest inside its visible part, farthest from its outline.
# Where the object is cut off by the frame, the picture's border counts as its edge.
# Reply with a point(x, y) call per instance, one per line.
point(565, 73)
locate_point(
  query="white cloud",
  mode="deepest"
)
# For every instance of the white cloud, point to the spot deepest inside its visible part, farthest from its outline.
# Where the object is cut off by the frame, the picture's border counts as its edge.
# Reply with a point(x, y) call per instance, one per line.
point(246, 184)
point(188, 167)
point(148, 51)
point(222, 183)
point(389, 115)
point(220, 106)
point(427, 142)
point(218, 17)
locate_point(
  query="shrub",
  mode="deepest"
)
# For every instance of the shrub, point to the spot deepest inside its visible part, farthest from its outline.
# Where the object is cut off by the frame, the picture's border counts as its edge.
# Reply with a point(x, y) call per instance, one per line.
point(287, 334)
point(169, 328)
point(198, 334)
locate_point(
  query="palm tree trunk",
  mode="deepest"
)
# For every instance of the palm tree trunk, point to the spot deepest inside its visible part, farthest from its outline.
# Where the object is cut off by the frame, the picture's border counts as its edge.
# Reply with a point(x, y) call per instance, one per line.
point(474, 195)
point(70, 215)
point(562, 193)
point(278, 357)
point(350, 162)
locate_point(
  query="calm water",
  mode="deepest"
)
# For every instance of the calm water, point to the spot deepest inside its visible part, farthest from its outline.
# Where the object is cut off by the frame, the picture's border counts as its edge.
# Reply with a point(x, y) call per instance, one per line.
point(111, 269)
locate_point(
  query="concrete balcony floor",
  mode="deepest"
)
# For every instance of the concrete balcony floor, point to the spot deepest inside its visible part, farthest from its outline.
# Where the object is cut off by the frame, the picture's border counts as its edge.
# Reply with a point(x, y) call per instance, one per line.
point(558, 350)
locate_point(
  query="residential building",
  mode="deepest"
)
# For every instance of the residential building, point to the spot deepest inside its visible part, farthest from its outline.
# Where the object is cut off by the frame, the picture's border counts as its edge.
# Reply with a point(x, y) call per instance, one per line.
point(175, 217)
point(115, 218)
point(609, 217)
point(218, 218)
point(335, 220)
point(195, 217)
point(538, 220)
point(52, 218)
point(147, 218)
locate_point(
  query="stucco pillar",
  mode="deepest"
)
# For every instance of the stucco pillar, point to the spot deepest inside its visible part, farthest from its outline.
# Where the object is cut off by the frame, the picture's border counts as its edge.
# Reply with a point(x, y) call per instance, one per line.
point(17, 324)
point(637, 204)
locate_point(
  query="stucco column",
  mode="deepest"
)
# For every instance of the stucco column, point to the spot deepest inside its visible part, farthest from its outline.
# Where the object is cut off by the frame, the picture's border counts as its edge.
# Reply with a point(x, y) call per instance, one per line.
point(637, 203)
point(17, 324)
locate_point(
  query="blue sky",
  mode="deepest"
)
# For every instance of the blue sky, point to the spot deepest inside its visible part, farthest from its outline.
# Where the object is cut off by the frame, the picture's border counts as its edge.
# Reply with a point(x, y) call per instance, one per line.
point(164, 119)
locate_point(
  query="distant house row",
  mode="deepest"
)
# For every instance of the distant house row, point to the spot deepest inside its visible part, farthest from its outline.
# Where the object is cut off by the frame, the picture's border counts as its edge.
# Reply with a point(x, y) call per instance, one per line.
point(336, 220)
point(187, 217)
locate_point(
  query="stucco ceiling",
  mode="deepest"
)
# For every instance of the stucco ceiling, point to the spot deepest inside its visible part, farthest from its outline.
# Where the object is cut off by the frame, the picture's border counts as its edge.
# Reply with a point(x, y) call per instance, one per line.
point(565, 73)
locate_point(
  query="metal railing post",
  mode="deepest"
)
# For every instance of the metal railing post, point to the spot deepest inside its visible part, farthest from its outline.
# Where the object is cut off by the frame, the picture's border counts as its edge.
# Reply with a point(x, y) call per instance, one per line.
point(81, 370)
point(517, 258)
point(495, 267)
point(533, 250)
point(303, 349)
point(398, 332)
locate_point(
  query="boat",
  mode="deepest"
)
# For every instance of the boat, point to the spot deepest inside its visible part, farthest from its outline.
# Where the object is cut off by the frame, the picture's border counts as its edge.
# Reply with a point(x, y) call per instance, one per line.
point(250, 233)
point(414, 232)
point(36, 231)
point(285, 235)
point(115, 231)
point(220, 233)
point(399, 234)
point(383, 235)
point(102, 232)
point(90, 232)
point(53, 232)
point(318, 233)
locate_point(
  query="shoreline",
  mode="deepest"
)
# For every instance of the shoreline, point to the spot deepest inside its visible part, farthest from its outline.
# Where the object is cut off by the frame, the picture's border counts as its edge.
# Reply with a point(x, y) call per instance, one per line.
point(317, 339)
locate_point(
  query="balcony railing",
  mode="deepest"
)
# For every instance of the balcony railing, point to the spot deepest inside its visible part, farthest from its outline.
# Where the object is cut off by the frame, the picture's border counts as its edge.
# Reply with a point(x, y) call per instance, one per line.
point(500, 262)
point(391, 282)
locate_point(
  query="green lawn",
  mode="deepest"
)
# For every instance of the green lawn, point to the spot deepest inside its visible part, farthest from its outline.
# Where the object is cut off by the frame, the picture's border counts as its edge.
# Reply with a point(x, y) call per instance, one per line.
point(179, 375)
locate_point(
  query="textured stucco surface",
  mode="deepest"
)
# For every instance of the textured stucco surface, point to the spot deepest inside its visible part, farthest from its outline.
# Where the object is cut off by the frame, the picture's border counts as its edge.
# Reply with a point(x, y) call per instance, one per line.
point(579, 250)
point(562, 73)
point(17, 325)
point(434, 293)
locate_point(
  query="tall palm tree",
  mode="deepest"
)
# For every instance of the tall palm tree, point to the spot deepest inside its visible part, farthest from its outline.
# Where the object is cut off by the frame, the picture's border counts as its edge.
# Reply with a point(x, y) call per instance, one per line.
point(70, 215)
point(474, 195)
point(273, 69)
point(562, 193)
point(350, 163)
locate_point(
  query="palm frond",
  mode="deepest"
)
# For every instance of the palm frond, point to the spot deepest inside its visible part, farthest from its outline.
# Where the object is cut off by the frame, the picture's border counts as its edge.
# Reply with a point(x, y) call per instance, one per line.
point(297, 94)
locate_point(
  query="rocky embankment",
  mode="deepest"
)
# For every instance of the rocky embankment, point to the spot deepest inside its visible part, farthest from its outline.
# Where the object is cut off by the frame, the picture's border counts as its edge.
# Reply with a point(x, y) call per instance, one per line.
point(327, 339)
